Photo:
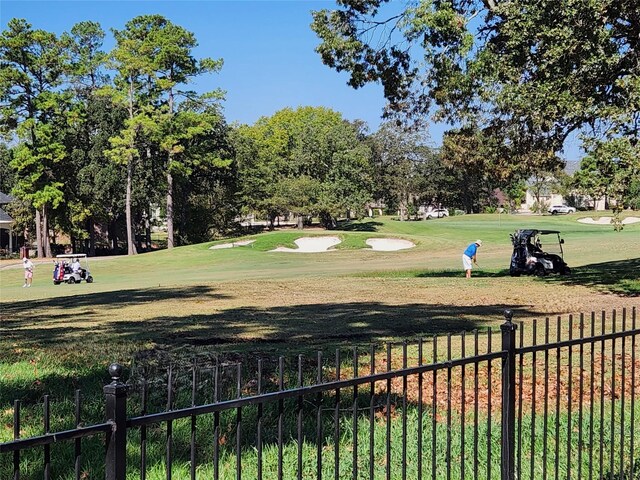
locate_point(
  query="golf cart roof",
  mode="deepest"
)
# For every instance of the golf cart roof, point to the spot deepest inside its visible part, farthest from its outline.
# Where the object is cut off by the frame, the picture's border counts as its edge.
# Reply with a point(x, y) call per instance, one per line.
point(536, 232)
point(72, 255)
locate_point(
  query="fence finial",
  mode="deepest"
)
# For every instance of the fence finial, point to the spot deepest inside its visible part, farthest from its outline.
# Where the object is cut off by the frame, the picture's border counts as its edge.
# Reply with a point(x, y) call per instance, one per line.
point(116, 414)
point(115, 371)
point(508, 315)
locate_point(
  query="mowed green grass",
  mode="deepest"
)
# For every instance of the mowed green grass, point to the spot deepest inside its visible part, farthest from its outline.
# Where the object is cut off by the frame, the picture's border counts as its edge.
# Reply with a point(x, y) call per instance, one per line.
point(439, 244)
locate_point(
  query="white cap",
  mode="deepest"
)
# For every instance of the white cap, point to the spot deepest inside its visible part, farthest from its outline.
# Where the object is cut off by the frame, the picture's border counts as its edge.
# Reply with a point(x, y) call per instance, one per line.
point(479, 242)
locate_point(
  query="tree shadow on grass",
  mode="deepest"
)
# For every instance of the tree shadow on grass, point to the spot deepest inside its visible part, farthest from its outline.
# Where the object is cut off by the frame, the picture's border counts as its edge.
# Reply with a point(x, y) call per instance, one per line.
point(459, 273)
point(250, 330)
point(108, 300)
point(285, 330)
point(369, 226)
point(621, 277)
point(297, 326)
point(59, 386)
point(253, 331)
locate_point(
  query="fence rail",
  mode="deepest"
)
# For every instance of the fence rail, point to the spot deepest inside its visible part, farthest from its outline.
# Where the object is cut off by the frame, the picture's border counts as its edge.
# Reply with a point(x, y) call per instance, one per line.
point(561, 408)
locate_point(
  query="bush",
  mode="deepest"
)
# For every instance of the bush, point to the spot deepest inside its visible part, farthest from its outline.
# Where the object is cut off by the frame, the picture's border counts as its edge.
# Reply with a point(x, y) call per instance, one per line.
point(539, 207)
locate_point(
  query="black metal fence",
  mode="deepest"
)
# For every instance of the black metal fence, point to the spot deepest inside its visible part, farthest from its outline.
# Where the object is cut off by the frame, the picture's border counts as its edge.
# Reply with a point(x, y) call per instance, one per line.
point(556, 400)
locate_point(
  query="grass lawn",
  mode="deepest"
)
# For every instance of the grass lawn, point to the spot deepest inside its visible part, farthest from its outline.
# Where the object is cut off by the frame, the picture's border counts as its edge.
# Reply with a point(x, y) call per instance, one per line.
point(54, 339)
point(250, 298)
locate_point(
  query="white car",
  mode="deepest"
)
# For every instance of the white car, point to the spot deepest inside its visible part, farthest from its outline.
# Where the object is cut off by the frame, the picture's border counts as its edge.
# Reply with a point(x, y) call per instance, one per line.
point(556, 209)
point(437, 213)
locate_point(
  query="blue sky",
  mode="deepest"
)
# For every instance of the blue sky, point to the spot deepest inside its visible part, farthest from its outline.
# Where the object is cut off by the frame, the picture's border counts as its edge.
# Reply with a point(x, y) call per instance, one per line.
point(267, 47)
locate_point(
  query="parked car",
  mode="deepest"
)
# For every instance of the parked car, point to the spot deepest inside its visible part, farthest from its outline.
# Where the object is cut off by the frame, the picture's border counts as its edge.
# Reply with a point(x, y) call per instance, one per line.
point(556, 209)
point(437, 213)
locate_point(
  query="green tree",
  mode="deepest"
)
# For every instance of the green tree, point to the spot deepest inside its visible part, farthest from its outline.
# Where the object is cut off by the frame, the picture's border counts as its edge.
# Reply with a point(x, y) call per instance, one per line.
point(396, 159)
point(173, 68)
point(134, 88)
point(613, 165)
point(526, 73)
point(34, 110)
point(154, 62)
point(95, 186)
point(515, 192)
point(472, 174)
point(87, 59)
point(93, 190)
point(7, 175)
point(435, 182)
point(309, 161)
point(206, 177)
point(256, 171)
point(542, 184)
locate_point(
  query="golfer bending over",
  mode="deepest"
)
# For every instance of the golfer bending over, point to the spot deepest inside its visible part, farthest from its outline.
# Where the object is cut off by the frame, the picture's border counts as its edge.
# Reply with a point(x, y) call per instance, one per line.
point(469, 257)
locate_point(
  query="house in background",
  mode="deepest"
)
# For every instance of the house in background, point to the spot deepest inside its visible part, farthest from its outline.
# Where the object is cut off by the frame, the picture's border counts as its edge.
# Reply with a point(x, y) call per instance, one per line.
point(547, 198)
point(543, 191)
point(7, 245)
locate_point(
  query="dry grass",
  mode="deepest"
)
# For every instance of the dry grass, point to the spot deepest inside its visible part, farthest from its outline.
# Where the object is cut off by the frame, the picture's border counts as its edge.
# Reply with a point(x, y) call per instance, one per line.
point(311, 311)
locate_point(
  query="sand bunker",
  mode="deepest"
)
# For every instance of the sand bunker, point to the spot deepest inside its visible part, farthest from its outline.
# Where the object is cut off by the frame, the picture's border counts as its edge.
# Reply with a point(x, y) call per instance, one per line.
point(389, 244)
point(311, 245)
point(325, 244)
point(607, 220)
point(241, 243)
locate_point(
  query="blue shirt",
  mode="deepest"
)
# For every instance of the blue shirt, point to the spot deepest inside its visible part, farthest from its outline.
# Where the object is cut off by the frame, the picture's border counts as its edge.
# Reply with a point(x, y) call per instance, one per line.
point(471, 250)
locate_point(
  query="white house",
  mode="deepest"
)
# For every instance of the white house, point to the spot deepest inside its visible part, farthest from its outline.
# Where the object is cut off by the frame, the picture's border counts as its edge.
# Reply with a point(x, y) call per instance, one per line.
point(548, 197)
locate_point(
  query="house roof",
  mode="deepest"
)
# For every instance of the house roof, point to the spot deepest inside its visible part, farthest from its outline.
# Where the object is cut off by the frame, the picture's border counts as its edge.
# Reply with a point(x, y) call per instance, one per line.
point(4, 198)
point(4, 217)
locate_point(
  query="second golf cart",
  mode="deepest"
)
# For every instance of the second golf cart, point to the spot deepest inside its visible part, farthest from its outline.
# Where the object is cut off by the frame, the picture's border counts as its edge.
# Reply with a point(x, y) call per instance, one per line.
point(68, 269)
point(528, 258)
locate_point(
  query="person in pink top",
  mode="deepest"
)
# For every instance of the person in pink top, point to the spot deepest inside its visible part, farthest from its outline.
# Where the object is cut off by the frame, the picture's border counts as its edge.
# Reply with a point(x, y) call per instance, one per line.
point(28, 272)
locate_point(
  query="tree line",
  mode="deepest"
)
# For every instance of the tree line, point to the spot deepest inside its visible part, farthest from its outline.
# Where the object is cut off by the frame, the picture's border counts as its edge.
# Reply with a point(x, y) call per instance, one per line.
point(93, 140)
point(516, 78)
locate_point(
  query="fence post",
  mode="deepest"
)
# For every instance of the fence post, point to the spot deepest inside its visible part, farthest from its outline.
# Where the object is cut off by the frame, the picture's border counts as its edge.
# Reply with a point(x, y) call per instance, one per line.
point(116, 412)
point(507, 457)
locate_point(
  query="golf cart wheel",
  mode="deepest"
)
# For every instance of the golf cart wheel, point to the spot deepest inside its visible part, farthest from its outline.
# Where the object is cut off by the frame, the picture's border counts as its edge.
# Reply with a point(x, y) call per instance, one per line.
point(539, 271)
point(555, 212)
point(565, 271)
point(89, 279)
point(71, 280)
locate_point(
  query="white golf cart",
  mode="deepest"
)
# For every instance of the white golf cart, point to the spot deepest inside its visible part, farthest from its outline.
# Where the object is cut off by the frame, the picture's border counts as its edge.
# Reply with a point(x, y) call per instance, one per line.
point(68, 269)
